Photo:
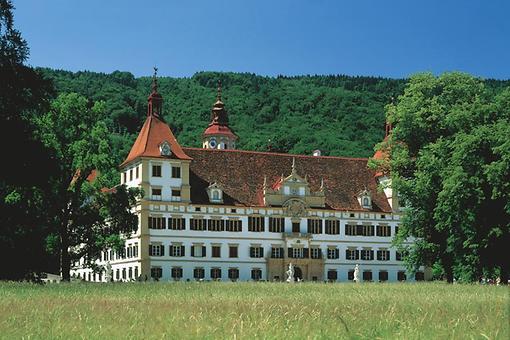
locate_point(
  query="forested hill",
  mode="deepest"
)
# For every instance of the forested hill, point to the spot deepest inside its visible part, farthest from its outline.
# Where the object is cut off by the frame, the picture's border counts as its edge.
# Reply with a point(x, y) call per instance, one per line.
point(340, 115)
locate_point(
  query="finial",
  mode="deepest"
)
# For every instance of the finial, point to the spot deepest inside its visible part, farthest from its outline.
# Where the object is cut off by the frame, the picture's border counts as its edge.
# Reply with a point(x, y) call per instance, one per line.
point(322, 183)
point(265, 182)
point(219, 90)
point(293, 165)
point(155, 80)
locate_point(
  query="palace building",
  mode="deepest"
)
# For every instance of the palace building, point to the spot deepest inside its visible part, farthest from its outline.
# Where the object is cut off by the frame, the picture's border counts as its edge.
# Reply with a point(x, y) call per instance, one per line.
point(218, 213)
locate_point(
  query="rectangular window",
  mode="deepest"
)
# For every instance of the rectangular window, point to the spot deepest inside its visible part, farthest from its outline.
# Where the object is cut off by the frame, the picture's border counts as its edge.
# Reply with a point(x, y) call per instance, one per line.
point(350, 229)
point(352, 254)
point(156, 250)
point(276, 253)
point(234, 225)
point(156, 273)
point(177, 250)
point(176, 194)
point(384, 230)
point(232, 251)
point(333, 253)
point(156, 171)
point(233, 274)
point(135, 250)
point(332, 227)
point(157, 222)
point(256, 223)
point(383, 255)
point(401, 276)
point(124, 274)
point(315, 253)
point(130, 174)
point(176, 172)
point(216, 225)
point(365, 230)
point(350, 275)
point(332, 275)
point(367, 275)
point(297, 253)
point(124, 176)
point(198, 250)
point(256, 252)
point(399, 256)
point(136, 273)
point(198, 273)
point(216, 273)
point(216, 251)
point(276, 224)
point(367, 254)
point(156, 194)
point(176, 273)
point(314, 226)
point(198, 224)
point(256, 274)
point(383, 275)
point(296, 227)
point(176, 223)
point(137, 172)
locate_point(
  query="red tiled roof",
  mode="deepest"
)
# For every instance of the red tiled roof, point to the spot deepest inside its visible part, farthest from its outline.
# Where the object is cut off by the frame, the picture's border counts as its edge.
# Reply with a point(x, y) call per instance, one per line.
point(241, 176)
point(223, 130)
point(154, 131)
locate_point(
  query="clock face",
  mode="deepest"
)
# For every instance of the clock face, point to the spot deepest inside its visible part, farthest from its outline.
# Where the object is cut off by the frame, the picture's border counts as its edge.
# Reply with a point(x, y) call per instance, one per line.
point(165, 149)
point(213, 143)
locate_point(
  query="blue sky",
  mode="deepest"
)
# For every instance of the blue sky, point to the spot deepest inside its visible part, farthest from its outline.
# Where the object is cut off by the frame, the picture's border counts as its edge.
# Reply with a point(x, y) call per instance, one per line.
point(379, 38)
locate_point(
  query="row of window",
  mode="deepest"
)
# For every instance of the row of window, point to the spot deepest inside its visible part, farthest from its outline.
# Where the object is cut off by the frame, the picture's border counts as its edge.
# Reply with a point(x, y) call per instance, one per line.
point(130, 172)
point(215, 273)
point(199, 250)
point(156, 194)
point(257, 224)
point(130, 251)
point(157, 172)
point(124, 274)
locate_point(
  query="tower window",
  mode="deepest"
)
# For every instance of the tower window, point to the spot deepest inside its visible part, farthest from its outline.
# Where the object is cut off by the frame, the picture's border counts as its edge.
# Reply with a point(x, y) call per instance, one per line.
point(176, 172)
point(156, 171)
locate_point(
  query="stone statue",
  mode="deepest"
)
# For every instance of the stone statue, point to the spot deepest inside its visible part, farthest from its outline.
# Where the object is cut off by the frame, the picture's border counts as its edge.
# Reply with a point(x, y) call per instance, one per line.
point(290, 273)
point(108, 272)
point(356, 273)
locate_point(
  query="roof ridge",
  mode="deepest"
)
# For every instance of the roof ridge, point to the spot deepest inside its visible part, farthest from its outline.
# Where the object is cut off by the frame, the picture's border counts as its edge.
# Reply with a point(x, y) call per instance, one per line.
point(279, 154)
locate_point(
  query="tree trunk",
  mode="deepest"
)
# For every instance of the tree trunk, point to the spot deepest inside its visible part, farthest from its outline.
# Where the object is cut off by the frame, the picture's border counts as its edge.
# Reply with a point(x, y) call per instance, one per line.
point(65, 259)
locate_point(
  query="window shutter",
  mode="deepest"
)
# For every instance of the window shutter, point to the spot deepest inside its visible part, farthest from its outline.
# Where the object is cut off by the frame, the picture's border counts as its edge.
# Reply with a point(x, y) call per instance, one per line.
point(183, 251)
point(290, 252)
point(379, 255)
point(162, 250)
point(306, 253)
point(337, 253)
point(150, 222)
point(371, 254)
point(192, 250)
point(183, 224)
point(261, 252)
point(150, 248)
point(203, 251)
point(359, 230)
point(282, 252)
point(357, 254)
point(252, 252)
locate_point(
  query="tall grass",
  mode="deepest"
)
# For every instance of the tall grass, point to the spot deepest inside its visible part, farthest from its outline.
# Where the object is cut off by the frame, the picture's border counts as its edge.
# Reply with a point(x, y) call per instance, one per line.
point(253, 310)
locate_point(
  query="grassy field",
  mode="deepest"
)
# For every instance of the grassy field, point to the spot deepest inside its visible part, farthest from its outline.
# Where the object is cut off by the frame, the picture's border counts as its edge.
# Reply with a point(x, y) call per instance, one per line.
point(249, 310)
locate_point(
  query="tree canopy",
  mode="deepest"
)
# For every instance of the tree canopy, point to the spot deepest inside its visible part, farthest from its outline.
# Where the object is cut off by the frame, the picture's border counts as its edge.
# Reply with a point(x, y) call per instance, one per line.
point(450, 164)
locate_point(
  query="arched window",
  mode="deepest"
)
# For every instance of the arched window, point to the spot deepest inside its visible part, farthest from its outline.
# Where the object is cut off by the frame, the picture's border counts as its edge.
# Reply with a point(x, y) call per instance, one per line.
point(215, 195)
point(366, 202)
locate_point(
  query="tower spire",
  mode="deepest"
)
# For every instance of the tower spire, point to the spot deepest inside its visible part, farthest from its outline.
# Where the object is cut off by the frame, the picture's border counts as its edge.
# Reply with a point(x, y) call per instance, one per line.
point(218, 96)
point(155, 99)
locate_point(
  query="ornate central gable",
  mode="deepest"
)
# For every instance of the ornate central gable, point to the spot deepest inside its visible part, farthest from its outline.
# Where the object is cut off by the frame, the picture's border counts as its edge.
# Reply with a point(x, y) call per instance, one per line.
point(293, 192)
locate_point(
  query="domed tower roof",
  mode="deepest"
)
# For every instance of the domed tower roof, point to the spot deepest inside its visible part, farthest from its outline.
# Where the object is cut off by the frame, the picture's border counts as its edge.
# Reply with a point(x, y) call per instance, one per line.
point(219, 119)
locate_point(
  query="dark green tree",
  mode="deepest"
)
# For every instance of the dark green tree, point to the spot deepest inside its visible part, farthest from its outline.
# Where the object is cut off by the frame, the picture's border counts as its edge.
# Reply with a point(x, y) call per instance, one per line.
point(450, 156)
point(24, 94)
point(86, 218)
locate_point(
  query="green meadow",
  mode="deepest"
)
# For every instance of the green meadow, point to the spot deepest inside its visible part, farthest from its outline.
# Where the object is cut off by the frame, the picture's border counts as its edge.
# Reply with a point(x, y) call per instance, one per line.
point(253, 310)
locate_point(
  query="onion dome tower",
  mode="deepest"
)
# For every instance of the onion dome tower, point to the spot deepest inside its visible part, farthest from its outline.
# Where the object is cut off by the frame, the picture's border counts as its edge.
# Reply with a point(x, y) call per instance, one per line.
point(218, 134)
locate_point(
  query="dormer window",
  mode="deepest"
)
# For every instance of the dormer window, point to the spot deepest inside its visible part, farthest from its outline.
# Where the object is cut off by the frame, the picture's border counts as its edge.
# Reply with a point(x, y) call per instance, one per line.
point(215, 193)
point(365, 199)
point(164, 149)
